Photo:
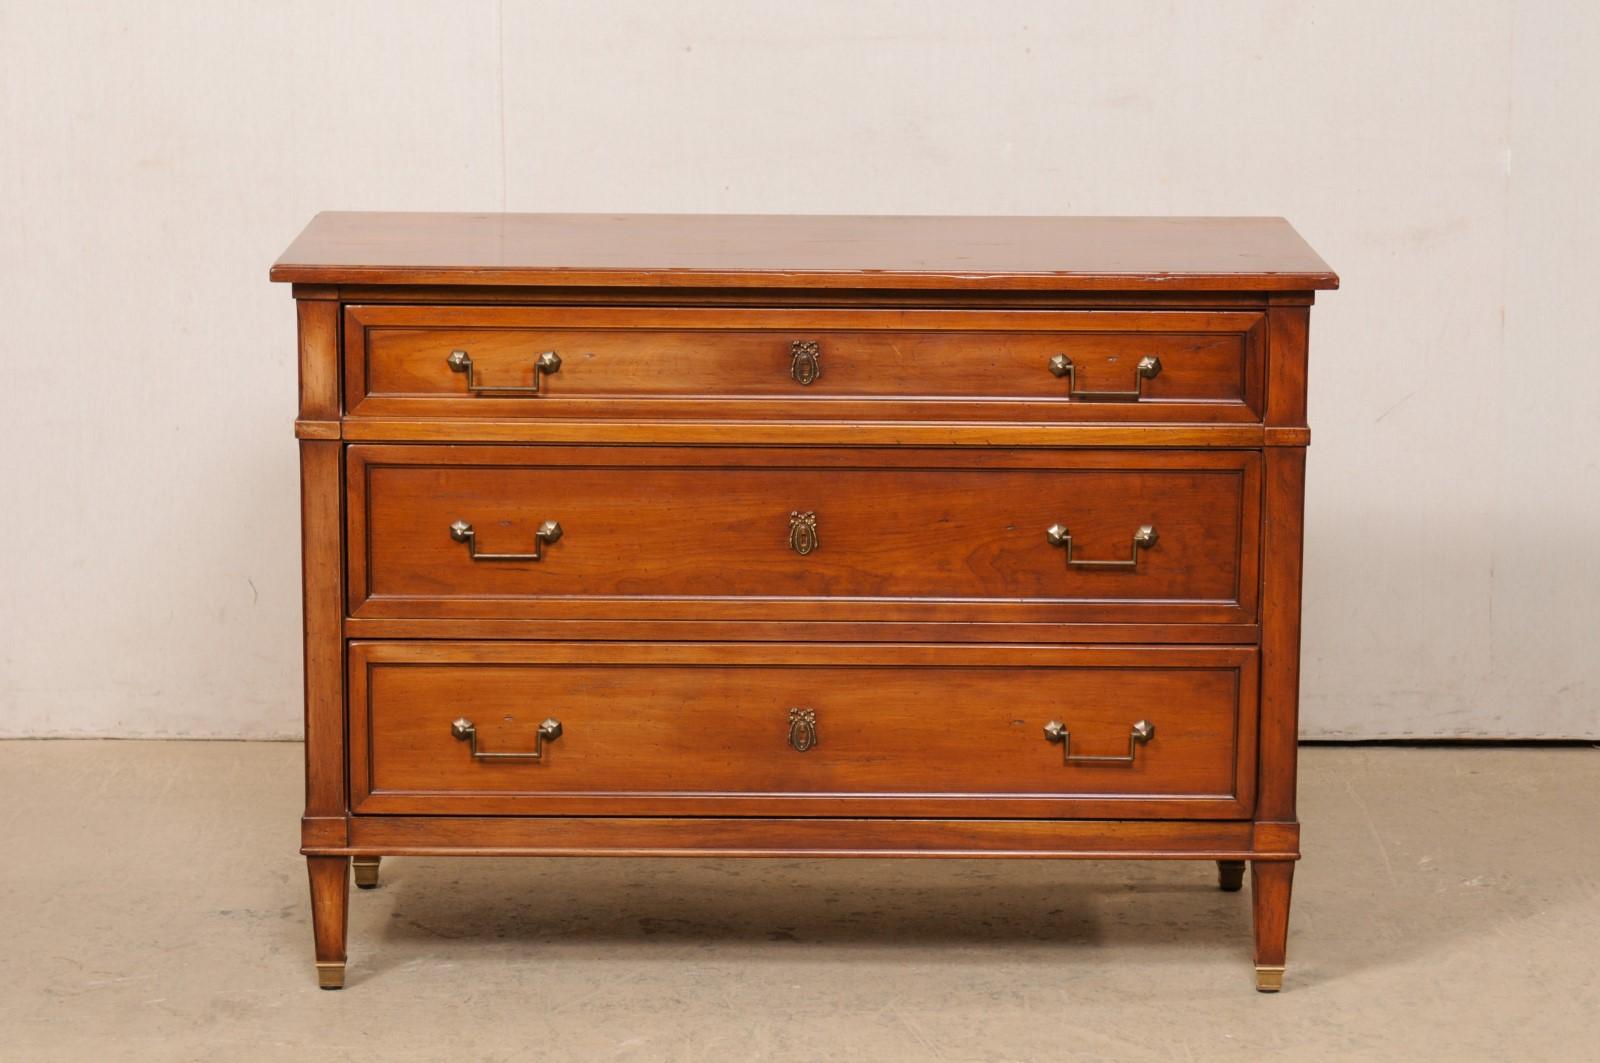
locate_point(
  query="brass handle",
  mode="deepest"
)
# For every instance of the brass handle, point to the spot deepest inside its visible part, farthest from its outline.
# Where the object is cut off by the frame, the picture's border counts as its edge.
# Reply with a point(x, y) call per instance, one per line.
point(1148, 367)
point(1056, 731)
point(548, 532)
point(464, 730)
point(803, 729)
point(805, 362)
point(1143, 539)
point(461, 362)
point(803, 532)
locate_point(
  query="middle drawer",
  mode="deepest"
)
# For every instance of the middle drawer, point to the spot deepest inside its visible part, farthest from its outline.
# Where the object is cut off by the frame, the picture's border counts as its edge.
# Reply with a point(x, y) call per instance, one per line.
point(721, 533)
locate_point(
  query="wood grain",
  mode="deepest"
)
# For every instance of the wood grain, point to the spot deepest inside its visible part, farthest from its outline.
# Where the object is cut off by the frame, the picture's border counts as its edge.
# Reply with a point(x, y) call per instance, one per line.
point(704, 729)
point(876, 364)
point(323, 594)
point(330, 907)
point(544, 627)
point(319, 363)
point(815, 251)
point(1270, 883)
point(905, 535)
point(1280, 632)
point(812, 298)
point(1287, 333)
point(709, 836)
point(776, 432)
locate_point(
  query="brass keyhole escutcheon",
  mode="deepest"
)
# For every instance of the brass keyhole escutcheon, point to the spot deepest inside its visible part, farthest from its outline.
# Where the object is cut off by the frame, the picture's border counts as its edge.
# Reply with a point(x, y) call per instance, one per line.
point(803, 532)
point(805, 362)
point(803, 729)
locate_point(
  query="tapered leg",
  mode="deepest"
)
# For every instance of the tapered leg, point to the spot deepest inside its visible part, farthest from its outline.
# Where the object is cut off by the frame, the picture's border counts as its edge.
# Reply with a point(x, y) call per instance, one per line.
point(330, 907)
point(1270, 881)
point(1230, 875)
point(366, 871)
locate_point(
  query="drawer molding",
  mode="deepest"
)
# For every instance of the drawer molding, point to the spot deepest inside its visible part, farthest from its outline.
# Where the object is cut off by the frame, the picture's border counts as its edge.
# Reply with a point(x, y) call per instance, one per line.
point(846, 837)
point(1186, 366)
point(706, 729)
point(955, 536)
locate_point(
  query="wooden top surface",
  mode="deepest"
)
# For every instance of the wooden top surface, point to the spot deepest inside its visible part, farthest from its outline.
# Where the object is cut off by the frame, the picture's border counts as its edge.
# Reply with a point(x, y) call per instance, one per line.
point(805, 251)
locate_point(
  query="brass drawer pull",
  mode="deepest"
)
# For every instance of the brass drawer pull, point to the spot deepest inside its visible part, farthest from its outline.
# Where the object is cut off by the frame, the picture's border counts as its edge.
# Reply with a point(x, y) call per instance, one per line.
point(1056, 731)
point(461, 362)
point(805, 362)
point(803, 532)
point(1143, 539)
point(548, 532)
point(803, 729)
point(464, 730)
point(1148, 367)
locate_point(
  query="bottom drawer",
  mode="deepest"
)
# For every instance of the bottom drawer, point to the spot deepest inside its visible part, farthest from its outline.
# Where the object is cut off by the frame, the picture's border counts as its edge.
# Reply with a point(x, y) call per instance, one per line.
point(503, 728)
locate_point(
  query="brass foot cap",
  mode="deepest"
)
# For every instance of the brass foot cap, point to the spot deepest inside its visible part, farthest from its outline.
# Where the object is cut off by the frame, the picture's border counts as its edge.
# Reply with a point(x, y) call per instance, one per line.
point(1269, 979)
point(366, 872)
point(330, 975)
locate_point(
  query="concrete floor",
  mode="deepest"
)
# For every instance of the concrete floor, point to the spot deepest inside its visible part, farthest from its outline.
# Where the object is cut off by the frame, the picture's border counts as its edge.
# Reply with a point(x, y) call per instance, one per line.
point(152, 906)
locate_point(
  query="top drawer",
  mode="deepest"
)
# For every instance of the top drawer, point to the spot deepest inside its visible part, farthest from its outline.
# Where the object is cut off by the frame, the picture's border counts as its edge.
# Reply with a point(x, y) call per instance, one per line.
point(931, 365)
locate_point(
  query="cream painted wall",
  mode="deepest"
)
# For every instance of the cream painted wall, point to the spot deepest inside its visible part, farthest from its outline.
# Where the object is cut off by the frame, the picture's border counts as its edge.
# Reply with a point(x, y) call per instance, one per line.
point(155, 158)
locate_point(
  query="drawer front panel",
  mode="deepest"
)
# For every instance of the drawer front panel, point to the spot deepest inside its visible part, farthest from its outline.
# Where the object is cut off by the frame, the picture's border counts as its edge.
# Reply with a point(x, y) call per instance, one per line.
point(730, 729)
point(1151, 366)
point(724, 533)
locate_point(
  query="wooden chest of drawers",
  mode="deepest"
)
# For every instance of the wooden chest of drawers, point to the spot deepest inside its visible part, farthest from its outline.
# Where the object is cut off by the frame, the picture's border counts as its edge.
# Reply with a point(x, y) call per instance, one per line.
point(827, 536)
